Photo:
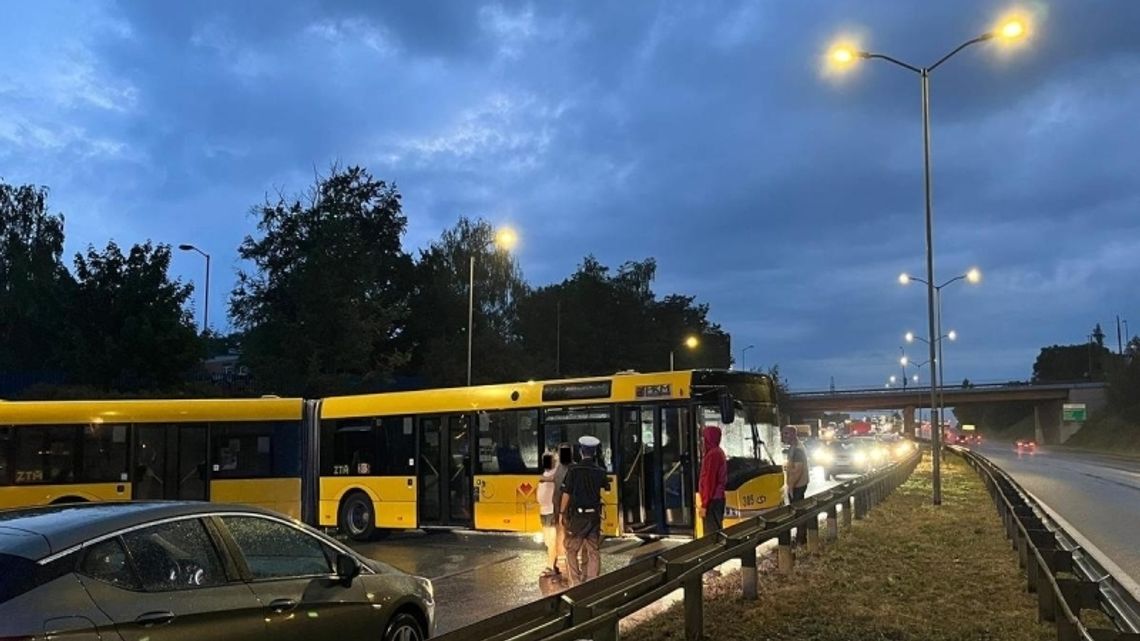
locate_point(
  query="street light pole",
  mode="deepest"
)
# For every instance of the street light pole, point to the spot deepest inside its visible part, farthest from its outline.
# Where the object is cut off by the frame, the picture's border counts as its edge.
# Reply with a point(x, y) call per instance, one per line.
point(743, 355)
point(505, 238)
point(1012, 29)
point(470, 314)
point(206, 297)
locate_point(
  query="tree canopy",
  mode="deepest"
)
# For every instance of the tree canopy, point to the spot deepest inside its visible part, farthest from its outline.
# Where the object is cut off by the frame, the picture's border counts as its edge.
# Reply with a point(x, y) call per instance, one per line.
point(326, 301)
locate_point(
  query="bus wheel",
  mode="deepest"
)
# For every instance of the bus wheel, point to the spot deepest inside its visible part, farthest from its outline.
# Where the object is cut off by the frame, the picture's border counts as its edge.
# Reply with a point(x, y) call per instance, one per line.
point(357, 517)
point(69, 499)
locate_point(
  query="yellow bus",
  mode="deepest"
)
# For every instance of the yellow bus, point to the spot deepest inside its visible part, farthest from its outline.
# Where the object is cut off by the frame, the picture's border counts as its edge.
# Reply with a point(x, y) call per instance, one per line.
point(458, 458)
point(469, 457)
point(240, 450)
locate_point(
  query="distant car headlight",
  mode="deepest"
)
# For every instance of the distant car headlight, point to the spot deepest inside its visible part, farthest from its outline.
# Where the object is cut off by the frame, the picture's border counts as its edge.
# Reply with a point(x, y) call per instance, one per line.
point(902, 449)
point(859, 457)
point(879, 453)
point(823, 457)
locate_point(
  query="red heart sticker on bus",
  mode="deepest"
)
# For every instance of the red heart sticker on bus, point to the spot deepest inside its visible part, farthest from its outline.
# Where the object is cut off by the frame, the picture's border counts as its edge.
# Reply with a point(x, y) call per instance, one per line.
point(525, 488)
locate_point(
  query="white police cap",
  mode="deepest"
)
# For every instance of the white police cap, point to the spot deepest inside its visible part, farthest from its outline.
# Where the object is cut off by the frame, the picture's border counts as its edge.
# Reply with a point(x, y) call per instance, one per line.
point(589, 441)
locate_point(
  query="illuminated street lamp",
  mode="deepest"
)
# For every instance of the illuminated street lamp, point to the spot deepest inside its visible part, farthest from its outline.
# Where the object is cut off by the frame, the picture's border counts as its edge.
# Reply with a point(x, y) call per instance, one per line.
point(505, 240)
point(1011, 29)
point(690, 341)
point(206, 295)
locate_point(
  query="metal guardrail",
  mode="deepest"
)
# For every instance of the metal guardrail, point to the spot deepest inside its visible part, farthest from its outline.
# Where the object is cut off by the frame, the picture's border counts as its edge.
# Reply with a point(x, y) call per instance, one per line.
point(595, 609)
point(1065, 577)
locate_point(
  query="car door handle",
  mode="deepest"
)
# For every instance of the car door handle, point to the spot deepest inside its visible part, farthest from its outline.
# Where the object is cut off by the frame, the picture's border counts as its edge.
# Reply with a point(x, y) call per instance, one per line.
point(149, 619)
point(282, 605)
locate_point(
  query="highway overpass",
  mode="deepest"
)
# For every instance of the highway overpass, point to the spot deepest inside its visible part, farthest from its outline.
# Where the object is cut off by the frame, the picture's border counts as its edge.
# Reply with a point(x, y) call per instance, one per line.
point(1047, 399)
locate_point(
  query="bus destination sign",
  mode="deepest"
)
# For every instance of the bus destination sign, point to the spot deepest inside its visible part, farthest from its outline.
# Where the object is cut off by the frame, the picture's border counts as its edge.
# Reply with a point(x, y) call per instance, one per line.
point(576, 391)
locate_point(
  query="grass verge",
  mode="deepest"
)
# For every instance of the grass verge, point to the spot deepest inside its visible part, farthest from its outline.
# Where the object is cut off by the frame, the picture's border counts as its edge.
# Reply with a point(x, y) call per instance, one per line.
point(908, 571)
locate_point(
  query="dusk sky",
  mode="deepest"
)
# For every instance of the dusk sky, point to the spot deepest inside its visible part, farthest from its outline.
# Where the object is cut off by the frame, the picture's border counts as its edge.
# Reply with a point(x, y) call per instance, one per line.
point(708, 135)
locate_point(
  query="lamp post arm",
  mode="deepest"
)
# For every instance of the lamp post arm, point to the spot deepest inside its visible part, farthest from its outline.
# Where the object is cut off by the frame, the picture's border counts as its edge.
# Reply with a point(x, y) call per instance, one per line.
point(895, 61)
point(974, 41)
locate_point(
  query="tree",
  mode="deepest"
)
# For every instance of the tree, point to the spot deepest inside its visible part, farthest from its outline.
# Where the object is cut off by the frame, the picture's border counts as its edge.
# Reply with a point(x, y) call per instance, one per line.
point(1098, 335)
point(34, 283)
point(601, 322)
point(326, 302)
point(1060, 363)
point(439, 307)
point(128, 325)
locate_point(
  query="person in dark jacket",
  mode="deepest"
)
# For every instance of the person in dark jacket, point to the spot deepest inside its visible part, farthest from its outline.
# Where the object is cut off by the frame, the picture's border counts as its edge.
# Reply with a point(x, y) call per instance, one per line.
point(581, 508)
point(714, 479)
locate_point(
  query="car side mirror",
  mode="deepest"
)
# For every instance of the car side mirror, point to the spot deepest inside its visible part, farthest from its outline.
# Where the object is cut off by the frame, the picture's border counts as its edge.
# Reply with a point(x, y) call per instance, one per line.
point(347, 567)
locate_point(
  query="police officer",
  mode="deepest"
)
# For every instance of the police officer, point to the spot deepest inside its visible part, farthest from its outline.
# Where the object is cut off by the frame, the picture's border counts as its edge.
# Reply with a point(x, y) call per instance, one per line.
point(581, 511)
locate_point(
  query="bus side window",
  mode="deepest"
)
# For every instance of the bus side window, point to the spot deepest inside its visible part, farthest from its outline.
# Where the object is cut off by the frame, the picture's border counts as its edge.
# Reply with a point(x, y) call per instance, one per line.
point(5, 443)
point(508, 444)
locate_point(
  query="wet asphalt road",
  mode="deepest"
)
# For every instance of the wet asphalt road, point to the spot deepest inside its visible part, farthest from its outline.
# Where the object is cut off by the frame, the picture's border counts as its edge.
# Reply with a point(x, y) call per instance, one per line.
point(477, 574)
point(1098, 495)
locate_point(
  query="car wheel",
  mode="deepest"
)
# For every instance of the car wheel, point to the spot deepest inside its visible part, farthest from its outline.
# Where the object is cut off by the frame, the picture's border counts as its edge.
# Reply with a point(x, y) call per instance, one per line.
point(357, 517)
point(404, 627)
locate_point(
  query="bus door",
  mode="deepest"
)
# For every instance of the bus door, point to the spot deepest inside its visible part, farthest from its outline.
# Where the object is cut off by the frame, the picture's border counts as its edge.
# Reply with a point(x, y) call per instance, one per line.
point(170, 462)
point(445, 482)
point(637, 445)
point(676, 467)
point(656, 471)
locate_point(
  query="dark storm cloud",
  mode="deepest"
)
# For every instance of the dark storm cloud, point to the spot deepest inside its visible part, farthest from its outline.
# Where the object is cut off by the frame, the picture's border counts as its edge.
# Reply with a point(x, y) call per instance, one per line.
point(704, 134)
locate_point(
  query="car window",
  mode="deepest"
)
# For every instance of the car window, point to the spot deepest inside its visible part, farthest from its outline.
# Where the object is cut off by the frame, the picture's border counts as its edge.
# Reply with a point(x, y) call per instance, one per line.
point(275, 550)
point(107, 562)
point(175, 556)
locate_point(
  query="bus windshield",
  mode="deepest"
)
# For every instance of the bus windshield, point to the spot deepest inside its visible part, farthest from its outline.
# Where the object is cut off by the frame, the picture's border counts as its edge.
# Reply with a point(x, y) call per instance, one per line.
point(739, 440)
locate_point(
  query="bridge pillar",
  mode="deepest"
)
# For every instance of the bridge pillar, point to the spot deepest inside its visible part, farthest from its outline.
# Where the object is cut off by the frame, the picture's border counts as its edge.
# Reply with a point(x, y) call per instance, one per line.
point(1047, 422)
point(908, 421)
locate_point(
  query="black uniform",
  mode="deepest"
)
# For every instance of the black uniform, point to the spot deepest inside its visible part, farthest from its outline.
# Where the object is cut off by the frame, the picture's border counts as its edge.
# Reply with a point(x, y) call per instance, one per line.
point(584, 483)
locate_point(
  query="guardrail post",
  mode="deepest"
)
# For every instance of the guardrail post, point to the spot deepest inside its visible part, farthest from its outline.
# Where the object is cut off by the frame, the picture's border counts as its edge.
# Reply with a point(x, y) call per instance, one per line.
point(801, 535)
point(784, 552)
point(608, 633)
point(813, 533)
point(748, 576)
point(847, 509)
point(694, 609)
point(1046, 601)
point(832, 524)
point(860, 505)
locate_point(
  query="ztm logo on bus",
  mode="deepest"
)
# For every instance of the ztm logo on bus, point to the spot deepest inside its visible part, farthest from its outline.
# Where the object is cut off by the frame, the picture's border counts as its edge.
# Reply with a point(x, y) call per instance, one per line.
point(525, 488)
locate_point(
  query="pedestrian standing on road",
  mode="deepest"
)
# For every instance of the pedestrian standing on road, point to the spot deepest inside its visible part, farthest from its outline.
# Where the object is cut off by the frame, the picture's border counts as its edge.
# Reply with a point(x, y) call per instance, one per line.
point(581, 509)
point(565, 460)
point(796, 467)
point(546, 513)
point(714, 478)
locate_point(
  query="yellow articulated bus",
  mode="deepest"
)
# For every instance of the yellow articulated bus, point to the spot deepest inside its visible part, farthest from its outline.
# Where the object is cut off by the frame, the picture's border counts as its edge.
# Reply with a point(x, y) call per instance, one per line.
point(459, 458)
point(241, 450)
point(469, 457)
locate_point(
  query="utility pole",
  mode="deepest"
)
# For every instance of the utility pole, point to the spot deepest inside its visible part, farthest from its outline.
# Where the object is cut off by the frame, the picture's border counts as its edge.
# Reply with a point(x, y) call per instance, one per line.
point(558, 339)
point(1119, 340)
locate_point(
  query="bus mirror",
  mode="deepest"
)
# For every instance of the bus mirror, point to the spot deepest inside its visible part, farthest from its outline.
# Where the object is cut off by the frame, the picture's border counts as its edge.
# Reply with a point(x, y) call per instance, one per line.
point(727, 409)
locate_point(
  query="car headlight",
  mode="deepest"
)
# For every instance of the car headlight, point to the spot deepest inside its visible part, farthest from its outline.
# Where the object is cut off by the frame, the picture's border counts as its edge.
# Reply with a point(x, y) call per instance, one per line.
point(859, 457)
point(902, 449)
point(822, 456)
point(879, 453)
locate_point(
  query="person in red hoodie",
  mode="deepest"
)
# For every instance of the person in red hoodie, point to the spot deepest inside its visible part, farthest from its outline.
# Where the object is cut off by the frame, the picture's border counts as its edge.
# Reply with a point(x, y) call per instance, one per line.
point(714, 478)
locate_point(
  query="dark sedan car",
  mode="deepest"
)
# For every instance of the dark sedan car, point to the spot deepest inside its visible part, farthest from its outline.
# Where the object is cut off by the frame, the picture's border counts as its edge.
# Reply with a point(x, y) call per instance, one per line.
point(157, 571)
